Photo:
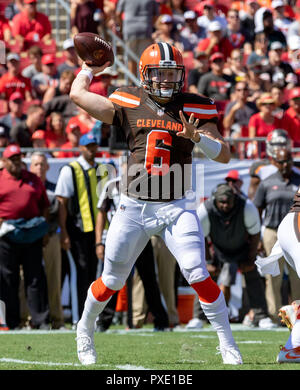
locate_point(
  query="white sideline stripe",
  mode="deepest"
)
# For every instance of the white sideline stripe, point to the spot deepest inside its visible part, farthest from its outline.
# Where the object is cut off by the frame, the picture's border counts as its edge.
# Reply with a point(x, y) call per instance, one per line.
point(130, 367)
point(120, 367)
point(8, 360)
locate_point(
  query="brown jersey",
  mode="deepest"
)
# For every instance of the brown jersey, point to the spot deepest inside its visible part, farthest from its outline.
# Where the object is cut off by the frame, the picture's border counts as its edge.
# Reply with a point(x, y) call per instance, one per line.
point(159, 166)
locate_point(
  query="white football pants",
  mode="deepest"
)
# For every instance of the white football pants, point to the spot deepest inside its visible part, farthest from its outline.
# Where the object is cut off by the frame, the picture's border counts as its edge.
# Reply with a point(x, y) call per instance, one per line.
point(288, 236)
point(133, 225)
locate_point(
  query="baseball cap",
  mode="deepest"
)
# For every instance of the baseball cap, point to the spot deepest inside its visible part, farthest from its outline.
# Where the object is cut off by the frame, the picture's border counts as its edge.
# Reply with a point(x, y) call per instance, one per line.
point(71, 127)
point(233, 174)
point(68, 43)
point(166, 19)
point(13, 56)
point(16, 96)
point(48, 59)
point(293, 42)
point(30, 1)
point(223, 192)
point(214, 26)
point(87, 139)
point(216, 55)
point(39, 134)
point(208, 3)
point(276, 45)
point(190, 15)
point(277, 3)
point(295, 93)
point(11, 150)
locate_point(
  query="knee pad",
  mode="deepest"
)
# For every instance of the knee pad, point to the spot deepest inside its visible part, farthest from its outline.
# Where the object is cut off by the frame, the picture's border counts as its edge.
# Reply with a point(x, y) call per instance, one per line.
point(100, 291)
point(208, 291)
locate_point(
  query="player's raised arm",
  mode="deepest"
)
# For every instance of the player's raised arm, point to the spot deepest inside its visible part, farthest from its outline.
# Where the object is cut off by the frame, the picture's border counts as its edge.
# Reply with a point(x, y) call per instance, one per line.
point(96, 105)
point(207, 136)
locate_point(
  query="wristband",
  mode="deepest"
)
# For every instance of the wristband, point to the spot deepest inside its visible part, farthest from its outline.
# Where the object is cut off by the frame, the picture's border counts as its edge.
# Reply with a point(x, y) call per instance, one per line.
point(99, 243)
point(210, 147)
point(87, 73)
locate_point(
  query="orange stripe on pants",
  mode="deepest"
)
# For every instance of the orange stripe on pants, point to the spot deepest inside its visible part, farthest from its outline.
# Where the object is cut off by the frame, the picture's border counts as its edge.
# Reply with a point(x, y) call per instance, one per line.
point(207, 290)
point(100, 291)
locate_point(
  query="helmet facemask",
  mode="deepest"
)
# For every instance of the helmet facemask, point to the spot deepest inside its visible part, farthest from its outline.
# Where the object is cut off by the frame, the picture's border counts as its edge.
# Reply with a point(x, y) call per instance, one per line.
point(279, 139)
point(164, 80)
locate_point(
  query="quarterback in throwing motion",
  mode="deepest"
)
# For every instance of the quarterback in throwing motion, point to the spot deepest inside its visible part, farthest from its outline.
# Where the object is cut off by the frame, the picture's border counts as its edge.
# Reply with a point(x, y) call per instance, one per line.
point(161, 125)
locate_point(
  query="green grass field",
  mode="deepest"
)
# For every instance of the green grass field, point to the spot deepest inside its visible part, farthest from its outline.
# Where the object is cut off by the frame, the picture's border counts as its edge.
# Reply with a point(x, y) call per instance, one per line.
point(142, 349)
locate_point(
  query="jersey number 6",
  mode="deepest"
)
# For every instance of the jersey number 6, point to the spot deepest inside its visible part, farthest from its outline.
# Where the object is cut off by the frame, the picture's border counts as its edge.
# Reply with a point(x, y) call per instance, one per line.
point(157, 159)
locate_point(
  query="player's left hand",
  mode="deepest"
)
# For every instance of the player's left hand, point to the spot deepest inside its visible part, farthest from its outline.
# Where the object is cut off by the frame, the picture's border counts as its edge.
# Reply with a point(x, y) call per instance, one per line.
point(189, 130)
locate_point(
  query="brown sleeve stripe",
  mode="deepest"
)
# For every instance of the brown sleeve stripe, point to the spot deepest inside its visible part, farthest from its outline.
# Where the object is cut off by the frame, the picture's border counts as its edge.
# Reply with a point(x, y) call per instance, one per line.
point(125, 99)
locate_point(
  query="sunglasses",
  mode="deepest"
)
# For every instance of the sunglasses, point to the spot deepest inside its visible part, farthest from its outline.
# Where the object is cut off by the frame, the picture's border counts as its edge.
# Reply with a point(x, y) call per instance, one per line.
point(242, 89)
point(281, 162)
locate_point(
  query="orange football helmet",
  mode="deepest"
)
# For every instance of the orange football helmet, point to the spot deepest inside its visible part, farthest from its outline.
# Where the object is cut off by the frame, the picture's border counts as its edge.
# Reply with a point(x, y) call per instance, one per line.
point(162, 70)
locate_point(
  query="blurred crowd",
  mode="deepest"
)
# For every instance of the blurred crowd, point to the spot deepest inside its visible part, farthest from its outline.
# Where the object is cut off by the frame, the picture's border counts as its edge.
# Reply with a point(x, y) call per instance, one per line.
point(245, 55)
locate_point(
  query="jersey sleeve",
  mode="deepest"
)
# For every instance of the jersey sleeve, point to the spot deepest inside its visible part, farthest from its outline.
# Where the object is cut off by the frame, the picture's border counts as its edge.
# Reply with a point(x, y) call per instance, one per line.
point(202, 107)
point(123, 98)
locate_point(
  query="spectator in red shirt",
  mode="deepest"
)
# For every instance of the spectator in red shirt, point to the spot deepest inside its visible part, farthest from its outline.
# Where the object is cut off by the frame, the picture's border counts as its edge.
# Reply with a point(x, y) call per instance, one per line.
point(262, 123)
point(73, 135)
point(31, 26)
point(12, 81)
point(102, 84)
point(83, 120)
point(292, 116)
point(22, 195)
point(234, 32)
point(215, 42)
point(5, 32)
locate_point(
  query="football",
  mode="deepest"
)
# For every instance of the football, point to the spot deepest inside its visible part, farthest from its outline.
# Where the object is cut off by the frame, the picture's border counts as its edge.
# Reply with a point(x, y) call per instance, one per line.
point(92, 49)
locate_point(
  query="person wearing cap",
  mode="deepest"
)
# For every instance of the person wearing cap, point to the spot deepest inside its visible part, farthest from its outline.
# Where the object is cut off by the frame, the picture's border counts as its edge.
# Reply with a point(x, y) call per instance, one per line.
point(232, 224)
point(48, 77)
point(22, 195)
point(209, 15)
point(215, 42)
point(71, 60)
point(73, 136)
point(280, 72)
point(216, 84)
point(30, 26)
point(35, 54)
point(77, 187)
point(281, 22)
point(234, 180)
point(191, 30)
point(136, 20)
point(83, 120)
point(22, 132)
point(15, 114)
point(263, 122)
point(39, 141)
point(166, 31)
point(274, 198)
point(12, 81)
point(200, 68)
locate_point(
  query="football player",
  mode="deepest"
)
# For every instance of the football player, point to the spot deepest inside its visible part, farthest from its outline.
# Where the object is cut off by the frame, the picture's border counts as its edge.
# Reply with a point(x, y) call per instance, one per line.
point(287, 245)
point(261, 169)
point(161, 125)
